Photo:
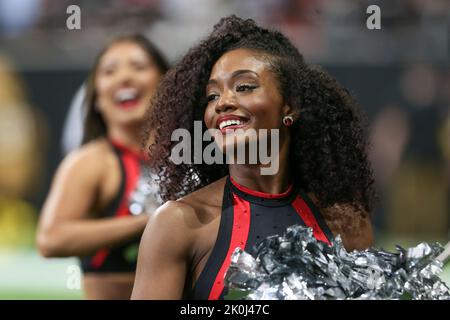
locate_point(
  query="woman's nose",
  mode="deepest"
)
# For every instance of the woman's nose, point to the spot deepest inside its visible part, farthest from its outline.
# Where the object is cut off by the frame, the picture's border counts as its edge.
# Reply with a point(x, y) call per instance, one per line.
point(125, 76)
point(227, 102)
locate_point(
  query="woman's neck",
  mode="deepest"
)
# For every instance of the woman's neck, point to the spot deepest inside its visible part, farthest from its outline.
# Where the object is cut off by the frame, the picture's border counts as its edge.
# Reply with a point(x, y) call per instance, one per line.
point(250, 175)
point(129, 137)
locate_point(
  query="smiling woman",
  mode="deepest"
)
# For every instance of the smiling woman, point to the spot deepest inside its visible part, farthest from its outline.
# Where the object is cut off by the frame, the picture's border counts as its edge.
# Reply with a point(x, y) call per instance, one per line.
point(241, 77)
point(246, 77)
point(91, 210)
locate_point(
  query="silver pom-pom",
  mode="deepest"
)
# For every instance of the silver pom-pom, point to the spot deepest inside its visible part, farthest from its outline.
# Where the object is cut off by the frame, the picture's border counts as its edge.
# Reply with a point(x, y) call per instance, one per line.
point(145, 198)
point(297, 266)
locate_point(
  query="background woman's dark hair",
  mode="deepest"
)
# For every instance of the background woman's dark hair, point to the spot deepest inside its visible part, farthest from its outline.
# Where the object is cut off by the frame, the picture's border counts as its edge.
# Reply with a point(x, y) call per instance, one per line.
point(328, 144)
point(94, 124)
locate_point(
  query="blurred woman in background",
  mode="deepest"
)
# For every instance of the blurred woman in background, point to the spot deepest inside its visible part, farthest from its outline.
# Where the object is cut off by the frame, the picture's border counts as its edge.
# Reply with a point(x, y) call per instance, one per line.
point(96, 208)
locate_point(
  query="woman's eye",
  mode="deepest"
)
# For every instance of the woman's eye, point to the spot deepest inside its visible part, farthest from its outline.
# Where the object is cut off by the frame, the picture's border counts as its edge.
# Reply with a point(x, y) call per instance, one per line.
point(212, 97)
point(107, 72)
point(245, 87)
point(140, 67)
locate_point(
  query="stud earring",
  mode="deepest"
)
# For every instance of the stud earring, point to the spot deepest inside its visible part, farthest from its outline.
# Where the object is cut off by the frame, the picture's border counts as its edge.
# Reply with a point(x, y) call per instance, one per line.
point(288, 121)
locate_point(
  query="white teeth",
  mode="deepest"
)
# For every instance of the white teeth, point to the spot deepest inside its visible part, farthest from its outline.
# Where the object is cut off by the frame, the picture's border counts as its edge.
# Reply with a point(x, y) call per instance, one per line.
point(126, 94)
point(227, 123)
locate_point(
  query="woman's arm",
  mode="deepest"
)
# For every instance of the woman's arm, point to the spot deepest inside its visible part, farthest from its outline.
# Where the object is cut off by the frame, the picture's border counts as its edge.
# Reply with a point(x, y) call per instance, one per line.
point(164, 254)
point(65, 228)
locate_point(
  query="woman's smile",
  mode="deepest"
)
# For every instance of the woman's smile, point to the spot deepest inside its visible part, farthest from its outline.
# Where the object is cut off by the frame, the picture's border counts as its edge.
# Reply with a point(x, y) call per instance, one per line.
point(229, 123)
point(127, 97)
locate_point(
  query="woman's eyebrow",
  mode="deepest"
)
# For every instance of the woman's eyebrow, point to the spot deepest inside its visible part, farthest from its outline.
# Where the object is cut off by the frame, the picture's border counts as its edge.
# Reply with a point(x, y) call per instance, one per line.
point(107, 64)
point(211, 81)
point(242, 71)
point(234, 75)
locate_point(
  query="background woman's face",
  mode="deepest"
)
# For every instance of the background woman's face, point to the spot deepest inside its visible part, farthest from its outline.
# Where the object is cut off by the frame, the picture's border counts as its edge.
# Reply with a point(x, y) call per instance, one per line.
point(125, 80)
point(242, 92)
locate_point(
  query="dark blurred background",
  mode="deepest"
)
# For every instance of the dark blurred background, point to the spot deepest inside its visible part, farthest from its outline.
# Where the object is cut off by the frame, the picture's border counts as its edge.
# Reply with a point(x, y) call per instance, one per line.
point(399, 74)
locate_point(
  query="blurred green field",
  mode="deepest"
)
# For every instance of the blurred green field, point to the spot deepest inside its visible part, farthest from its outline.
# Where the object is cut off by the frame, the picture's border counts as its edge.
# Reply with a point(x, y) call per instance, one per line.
point(26, 275)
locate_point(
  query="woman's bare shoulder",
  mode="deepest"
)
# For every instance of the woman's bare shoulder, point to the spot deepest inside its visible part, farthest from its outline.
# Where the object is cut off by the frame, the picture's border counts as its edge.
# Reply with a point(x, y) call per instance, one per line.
point(173, 214)
point(205, 202)
point(189, 214)
point(86, 163)
point(91, 153)
point(172, 227)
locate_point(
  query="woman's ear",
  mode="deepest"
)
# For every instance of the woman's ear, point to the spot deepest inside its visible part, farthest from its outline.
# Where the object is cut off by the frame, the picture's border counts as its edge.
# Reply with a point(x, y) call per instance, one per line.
point(289, 111)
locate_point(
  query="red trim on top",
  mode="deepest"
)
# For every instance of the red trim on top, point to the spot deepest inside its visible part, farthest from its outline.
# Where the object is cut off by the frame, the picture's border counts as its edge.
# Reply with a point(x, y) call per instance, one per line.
point(99, 258)
point(239, 237)
point(132, 172)
point(310, 221)
point(262, 194)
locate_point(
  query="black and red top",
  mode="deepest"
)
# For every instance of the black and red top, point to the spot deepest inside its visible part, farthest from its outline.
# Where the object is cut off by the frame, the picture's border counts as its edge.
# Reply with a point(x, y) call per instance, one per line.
point(248, 217)
point(122, 258)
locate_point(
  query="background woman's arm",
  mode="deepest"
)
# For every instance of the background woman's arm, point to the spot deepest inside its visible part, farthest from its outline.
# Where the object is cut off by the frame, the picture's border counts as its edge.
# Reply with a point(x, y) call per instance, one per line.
point(65, 227)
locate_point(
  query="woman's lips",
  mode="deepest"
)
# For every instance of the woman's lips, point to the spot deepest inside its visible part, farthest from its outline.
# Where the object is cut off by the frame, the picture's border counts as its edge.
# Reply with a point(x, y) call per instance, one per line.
point(231, 129)
point(129, 103)
point(127, 97)
point(229, 124)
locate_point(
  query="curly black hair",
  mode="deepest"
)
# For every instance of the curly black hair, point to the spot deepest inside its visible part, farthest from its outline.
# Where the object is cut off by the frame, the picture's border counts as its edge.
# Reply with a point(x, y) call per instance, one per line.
point(328, 147)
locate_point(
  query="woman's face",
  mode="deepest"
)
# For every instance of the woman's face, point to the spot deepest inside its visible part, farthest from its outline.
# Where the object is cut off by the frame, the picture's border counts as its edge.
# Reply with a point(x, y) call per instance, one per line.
point(125, 80)
point(242, 93)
